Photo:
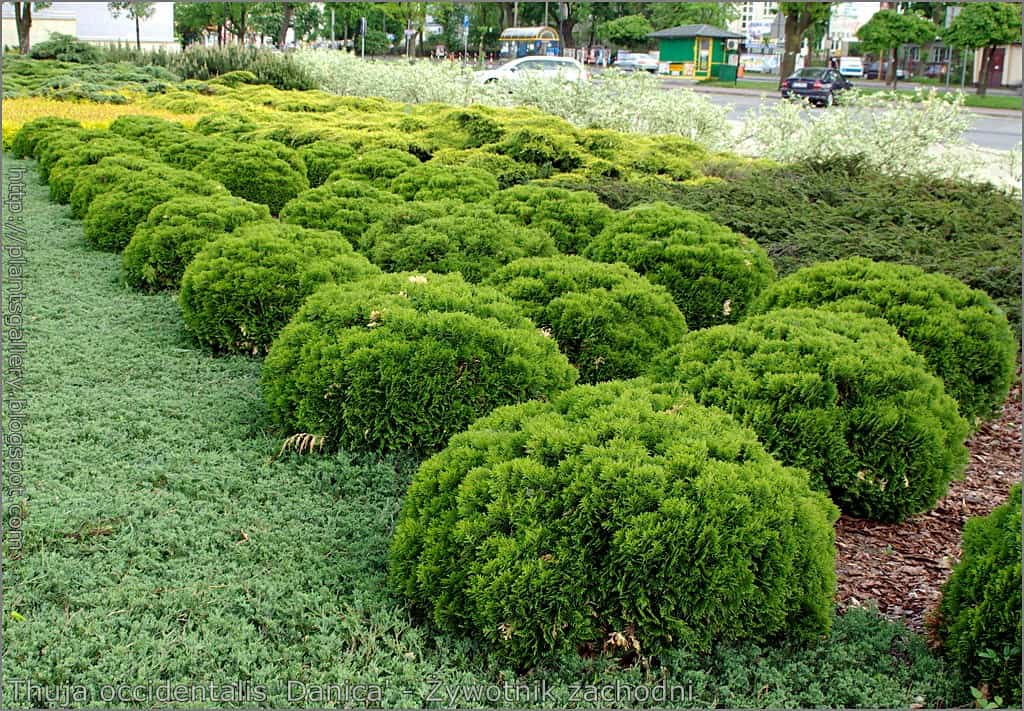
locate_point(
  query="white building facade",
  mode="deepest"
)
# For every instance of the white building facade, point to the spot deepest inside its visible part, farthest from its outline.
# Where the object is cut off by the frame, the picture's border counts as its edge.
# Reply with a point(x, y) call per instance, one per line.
point(93, 22)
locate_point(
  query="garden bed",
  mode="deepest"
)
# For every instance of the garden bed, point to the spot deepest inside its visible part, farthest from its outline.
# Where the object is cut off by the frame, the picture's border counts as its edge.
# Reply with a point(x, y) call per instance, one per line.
point(162, 543)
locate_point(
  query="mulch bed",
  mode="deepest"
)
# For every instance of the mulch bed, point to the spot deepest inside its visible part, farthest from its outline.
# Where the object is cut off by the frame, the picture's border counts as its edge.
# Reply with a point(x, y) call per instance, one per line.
point(901, 568)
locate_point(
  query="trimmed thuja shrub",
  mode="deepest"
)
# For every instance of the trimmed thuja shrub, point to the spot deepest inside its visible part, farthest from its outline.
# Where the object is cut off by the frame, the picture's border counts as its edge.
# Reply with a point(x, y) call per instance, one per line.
point(322, 158)
point(840, 394)
point(66, 171)
point(473, 240)
point(404, 361)
point(543, 148)
point(571, 217)
point(26, 140)
point(401, 215)
point(434, 181)
point(150, 130)
point(240, 289)
point(113, 216)
point(255, 174)
point(507, 171)
point(379, 166)
point(102, 177)
point(962, 334)
point(614, 517)
point(176, 230)
point(978, 622)
point(348, 207)
point(712, 273)
point(59, 144)
point(607, 319)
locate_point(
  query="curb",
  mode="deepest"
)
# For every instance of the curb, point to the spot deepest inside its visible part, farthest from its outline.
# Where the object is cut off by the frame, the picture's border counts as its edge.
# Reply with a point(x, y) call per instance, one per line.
point(771, 92)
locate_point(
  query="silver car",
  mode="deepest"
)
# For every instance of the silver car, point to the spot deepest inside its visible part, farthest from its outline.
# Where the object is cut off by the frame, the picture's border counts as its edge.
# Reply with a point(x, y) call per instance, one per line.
point(560, 68)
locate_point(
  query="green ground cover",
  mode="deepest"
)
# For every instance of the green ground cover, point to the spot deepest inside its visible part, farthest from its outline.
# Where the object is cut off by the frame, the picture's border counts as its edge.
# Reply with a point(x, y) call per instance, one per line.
point(163, 544)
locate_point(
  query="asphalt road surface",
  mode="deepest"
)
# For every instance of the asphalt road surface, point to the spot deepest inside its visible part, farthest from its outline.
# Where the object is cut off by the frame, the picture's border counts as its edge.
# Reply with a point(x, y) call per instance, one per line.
point(987, 131)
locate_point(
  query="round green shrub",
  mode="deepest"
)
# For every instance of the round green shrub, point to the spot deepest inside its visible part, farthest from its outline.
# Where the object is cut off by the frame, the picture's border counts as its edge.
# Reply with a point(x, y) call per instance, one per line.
point(59, 144)
point(433, 181)
point(228, 124)
point(190, 151)
point(324, 157)
point(542, 148)
point(712, 272)
point(401, 215)
point(65, 172)
point(404, 361)
point(345, 206)
point(572, 217)
point(255, 174)
point(614, 516)
point(379, 166)
point(606, 318)
point(962, 334)
point(285, 153)
point(978, 622)
point(507, 171)
point(113, 216)
point(26, 140)
point(474, 241)
point(839, 394)
point(240, 289)
point(176, 230)
point(149, 130)
point(479, 127)
point(95, 180)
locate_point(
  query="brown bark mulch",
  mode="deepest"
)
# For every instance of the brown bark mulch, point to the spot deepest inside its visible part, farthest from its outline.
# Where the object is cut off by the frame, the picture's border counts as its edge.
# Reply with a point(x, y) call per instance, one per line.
point(901, 567)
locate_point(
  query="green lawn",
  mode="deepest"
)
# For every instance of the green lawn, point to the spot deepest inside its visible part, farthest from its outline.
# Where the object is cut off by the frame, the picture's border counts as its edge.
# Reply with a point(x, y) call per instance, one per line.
point(162, 545)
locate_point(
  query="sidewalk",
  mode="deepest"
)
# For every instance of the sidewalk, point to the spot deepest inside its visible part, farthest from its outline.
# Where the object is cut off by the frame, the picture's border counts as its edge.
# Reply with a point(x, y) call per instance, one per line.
point(771, 91)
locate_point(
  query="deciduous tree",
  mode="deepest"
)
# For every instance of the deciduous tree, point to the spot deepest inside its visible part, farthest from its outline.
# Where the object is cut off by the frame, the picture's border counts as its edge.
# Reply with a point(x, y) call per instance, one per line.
point(23, 22)
point(984, 26)
point(136, 11)
point(800, 18)
point(888, 30)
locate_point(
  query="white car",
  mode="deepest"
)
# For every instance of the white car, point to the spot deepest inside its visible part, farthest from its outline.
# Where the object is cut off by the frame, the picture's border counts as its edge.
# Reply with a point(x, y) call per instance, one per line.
point(636, 62)
point(561, 68)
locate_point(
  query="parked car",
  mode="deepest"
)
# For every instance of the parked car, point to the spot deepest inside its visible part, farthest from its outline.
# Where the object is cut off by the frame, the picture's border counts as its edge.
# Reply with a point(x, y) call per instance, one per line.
point(819, 85)
point(629, 62)
point(563, 69)
point(871, 71)
point(851, 67)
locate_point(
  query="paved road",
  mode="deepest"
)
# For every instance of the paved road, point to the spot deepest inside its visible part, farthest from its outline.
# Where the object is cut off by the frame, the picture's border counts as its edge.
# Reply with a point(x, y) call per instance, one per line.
point(987, 131)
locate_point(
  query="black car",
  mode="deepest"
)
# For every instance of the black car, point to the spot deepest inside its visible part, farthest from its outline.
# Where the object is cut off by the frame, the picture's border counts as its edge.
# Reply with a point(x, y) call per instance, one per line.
point(816, 84)
point(871, 71)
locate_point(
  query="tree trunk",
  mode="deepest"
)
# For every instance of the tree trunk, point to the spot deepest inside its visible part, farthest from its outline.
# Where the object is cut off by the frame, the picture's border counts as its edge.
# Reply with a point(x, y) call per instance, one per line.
point(286, 23)
point(793, 39)
point(243, 24)
point(138, 34)
point(986, 62)
point(23, 22)
point(890, 76)
point(565, 24)
point(220, 34)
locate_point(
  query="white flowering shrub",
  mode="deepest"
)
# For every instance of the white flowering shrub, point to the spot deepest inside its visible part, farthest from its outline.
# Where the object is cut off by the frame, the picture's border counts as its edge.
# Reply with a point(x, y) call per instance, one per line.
point(896, 133)
point(632, 103)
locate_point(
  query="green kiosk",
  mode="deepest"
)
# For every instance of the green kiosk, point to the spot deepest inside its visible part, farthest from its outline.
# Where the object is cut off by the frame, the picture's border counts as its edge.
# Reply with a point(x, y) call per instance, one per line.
point(699, 51)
